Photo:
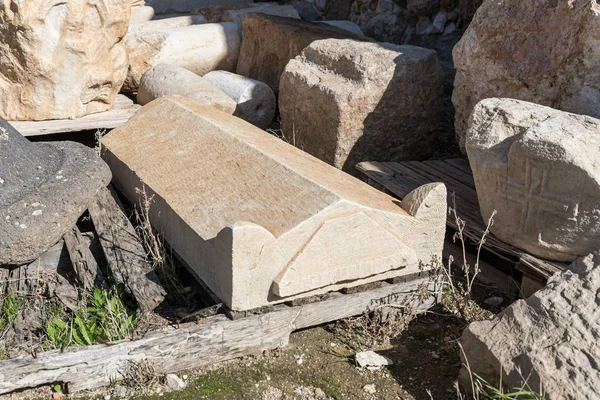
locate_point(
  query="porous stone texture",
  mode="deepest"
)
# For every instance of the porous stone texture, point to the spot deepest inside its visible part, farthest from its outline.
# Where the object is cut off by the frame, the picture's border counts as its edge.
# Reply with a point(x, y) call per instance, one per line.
point(345, 25)
point(61, 59)
point(270, 42)
point(548, 342)
point(537, 167)
point(166, 80)
point(345, 101)
point(383, 20)
point(198, 48)
point(44, 189)
point(543, 51)
point(256, 102)
point(236, 16)
point(141, 14)
point(259, 220)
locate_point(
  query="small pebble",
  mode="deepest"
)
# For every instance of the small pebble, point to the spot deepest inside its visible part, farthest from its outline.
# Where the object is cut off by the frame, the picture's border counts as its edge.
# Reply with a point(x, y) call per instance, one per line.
point(370, 388)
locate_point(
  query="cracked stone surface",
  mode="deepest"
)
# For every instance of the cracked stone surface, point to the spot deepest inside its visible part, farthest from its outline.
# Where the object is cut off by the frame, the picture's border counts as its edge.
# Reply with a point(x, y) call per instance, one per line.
point(44, 188)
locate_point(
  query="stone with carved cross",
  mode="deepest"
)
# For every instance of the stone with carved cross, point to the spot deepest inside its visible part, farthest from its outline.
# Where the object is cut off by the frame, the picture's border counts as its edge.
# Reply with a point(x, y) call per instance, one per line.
point(538, 168)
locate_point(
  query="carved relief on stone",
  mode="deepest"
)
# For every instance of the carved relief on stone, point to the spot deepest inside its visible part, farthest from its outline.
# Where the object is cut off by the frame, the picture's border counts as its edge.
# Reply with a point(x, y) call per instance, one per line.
point(61, 59)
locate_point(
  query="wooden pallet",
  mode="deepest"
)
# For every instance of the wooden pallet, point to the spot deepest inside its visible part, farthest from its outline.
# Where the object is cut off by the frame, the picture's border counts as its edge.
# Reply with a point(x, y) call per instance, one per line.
point(204, 342)
point(403, 177)
point(123, 110)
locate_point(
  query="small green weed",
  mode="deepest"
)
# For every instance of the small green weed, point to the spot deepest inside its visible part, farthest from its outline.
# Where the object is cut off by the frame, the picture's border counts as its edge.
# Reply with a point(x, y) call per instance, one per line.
point(10, 306)
point(105, 319)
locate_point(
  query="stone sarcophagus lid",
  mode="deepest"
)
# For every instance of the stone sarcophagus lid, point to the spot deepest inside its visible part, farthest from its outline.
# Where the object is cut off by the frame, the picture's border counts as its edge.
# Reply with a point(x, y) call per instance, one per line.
point(259, 220)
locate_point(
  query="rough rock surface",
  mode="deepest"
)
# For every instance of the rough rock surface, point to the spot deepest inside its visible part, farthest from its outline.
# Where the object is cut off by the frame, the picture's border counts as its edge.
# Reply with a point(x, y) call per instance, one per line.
point(141, 14)
point(423, 7)
point(259, 220)
point(186, 6)
point(537, 167)
point(256, 102)
point(166, 80)
point(543, 51)
point(198, 48)
point(44, 189)
point(61, 59)
point(549, 340)
point(270, 42)
point(345, 101)
point(345, 25)
point(236, 16)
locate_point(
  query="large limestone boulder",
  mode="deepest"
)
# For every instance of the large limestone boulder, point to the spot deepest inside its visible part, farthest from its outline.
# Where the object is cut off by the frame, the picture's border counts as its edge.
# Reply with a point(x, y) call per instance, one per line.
point(548, 343)
point(345, 101)
point(237, 15)
point(44, 189)
point(259, 220)
point(270, 42)
point(538, 167)
point(61, 59)
point(543, 51)
point(197, 48)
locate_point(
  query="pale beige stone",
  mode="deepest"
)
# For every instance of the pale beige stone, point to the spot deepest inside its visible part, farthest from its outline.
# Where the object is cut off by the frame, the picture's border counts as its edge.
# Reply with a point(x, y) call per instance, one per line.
point(162, 24)
point(236, 16)
point(547, 343)
point(61, 59)
point(538, 168)
point(345, 101)
point(544, 51)
point(198, 48)
point(259, 220)
point(165, 80)
point(141, 14)
point(270, 42)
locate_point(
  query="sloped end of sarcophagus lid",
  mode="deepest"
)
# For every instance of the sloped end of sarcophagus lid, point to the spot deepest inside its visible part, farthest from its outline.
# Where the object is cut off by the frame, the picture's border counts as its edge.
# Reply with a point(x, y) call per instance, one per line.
point(259, 220)
point(44, 189)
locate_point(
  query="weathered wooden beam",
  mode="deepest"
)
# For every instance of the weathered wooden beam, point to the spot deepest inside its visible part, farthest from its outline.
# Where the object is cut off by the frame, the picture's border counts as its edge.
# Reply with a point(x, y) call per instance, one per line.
point(86, 268)
point(193, 345)
point(124, 252)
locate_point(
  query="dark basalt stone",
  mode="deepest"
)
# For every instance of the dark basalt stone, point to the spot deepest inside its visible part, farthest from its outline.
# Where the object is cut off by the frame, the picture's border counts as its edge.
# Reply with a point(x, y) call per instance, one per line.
point(44, 189)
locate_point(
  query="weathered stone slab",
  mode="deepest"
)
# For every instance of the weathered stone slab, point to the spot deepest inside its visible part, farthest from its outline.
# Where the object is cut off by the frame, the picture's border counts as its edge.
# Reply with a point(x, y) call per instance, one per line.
point(259, 220)
point(537, 167)
point(256, 102)
point(198, 48)
point(345, 101)
point(546, 52)
point(548, 342)
point(165, 23)
point(48, 69)
point(270, 42)
point(165, 80)
point(44, 189)
point(236, 16)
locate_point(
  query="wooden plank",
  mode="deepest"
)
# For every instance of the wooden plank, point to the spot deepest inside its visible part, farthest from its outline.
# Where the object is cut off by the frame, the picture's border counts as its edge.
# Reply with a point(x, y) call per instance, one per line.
point(194, 345)
point(122, 111)
point(124, 252)
point(465, 178)
point(460, 163)
point(86, 268)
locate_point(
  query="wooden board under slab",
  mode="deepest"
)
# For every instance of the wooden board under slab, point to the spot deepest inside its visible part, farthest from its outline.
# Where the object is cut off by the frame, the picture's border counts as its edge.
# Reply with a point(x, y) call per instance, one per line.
point(204, 342)
point(400, 178)
point(123, 110)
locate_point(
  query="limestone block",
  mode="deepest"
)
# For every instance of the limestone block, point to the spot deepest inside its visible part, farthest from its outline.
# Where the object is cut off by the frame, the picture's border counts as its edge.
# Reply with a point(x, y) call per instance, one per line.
point(345, 101)
point(165, 23)
point(62, 59)
point(165, 80)
point(538, 168)
point(345, 25)
point(549, 341)
point(186, 6)
point(259, 220)
point(198, 48)
point(556, 64)
point(256, 102)
point(44, 189)
point(270, 42)
point(141, 14)
point(236, 16)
